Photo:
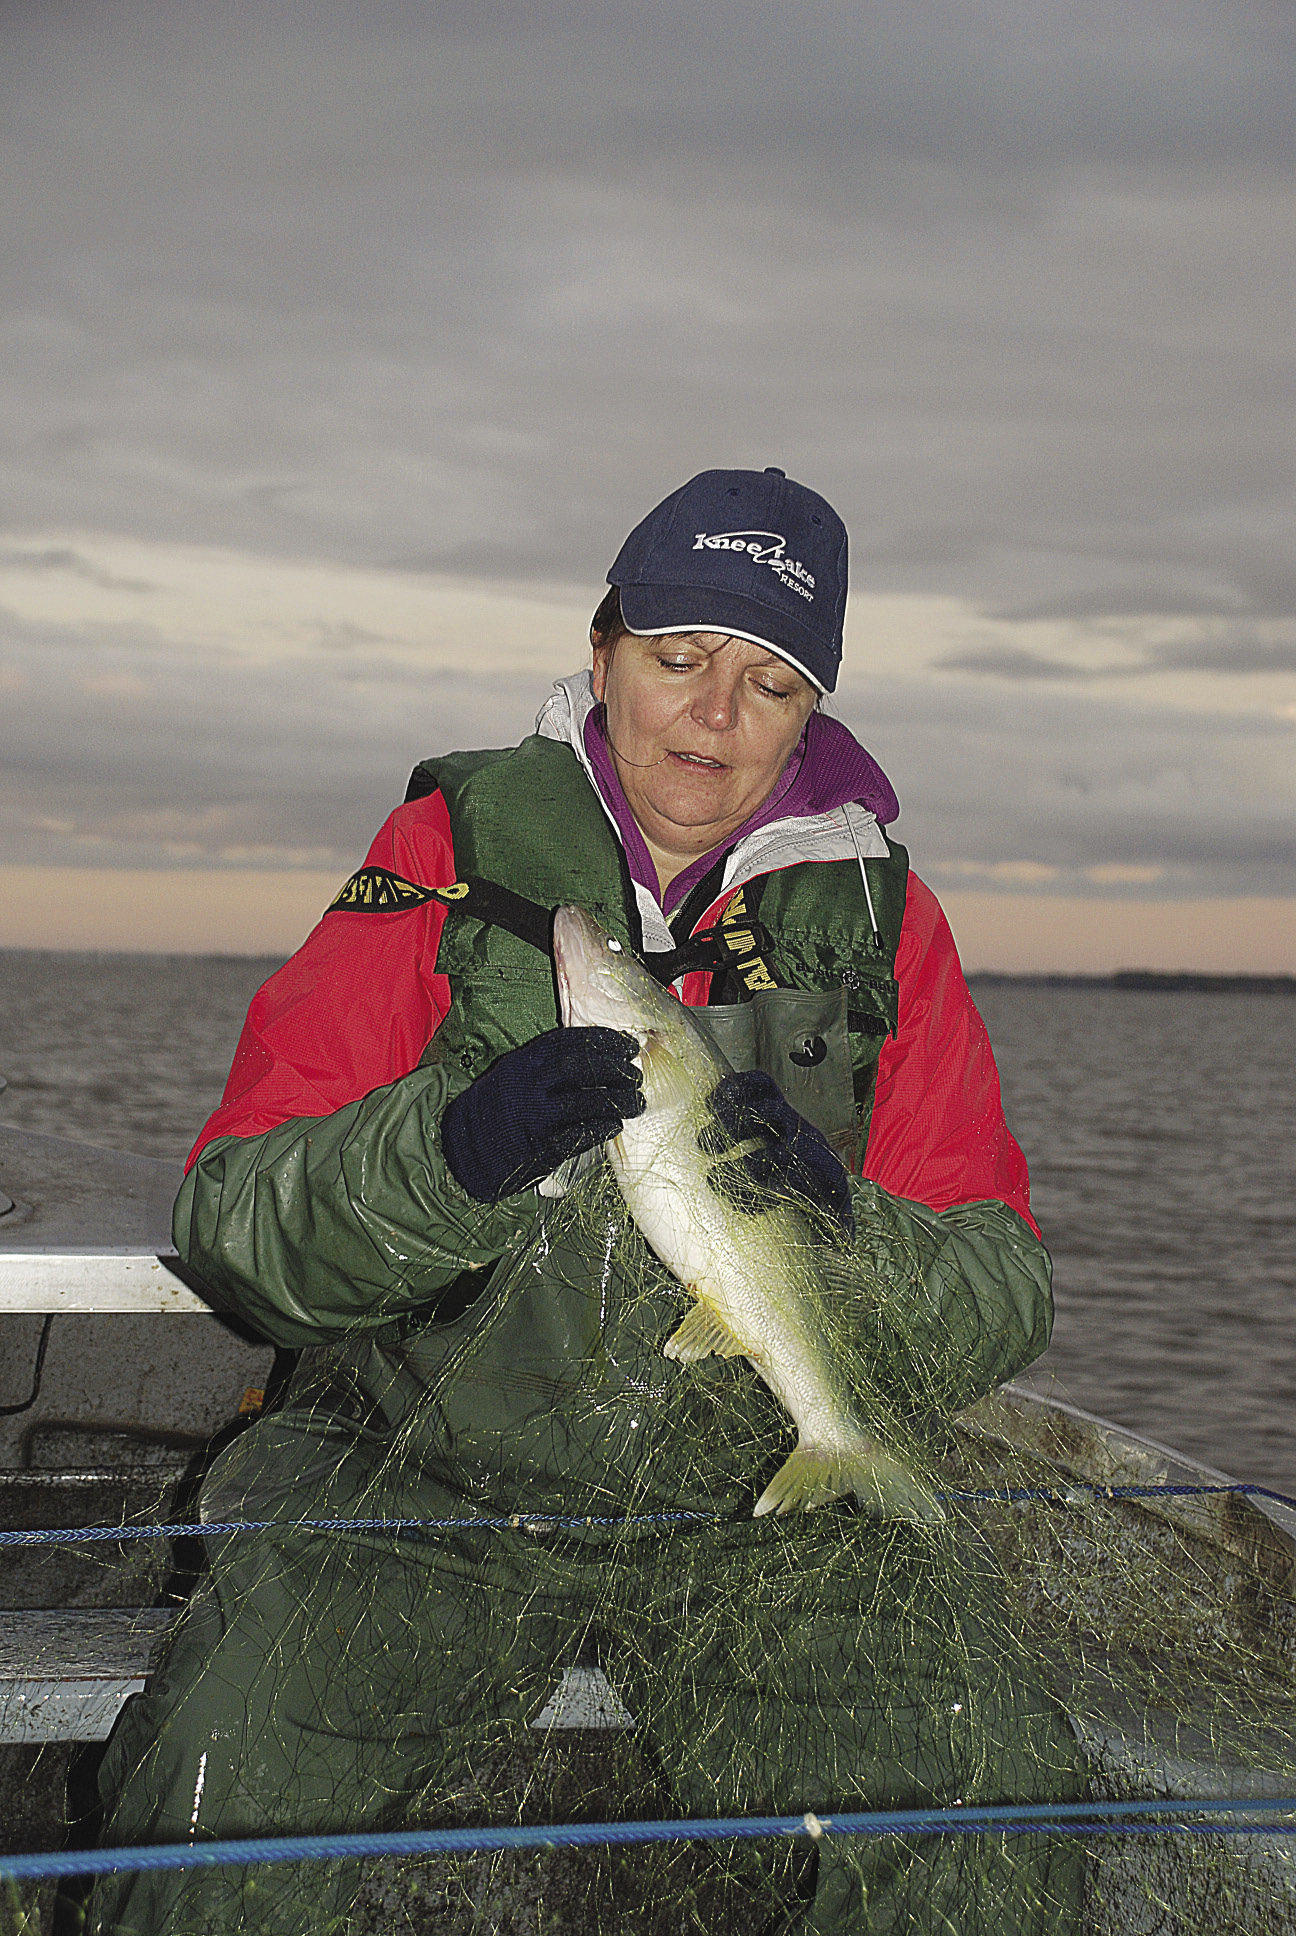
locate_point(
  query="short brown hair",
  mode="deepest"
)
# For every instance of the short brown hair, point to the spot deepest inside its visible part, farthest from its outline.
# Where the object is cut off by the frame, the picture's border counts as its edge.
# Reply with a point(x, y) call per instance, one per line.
point(607, 624)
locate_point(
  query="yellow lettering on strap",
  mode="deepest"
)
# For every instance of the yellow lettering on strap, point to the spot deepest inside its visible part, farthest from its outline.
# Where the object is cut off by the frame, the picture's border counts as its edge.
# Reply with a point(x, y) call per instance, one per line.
point(752, 972)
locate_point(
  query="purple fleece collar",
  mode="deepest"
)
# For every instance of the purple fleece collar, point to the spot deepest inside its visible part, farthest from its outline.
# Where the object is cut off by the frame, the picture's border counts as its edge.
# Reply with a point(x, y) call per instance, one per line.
point(827, 769)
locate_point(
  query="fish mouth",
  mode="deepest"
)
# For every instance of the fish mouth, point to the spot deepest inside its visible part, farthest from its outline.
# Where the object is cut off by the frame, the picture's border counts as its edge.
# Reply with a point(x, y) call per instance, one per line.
point(564, 990)
point(571, 950)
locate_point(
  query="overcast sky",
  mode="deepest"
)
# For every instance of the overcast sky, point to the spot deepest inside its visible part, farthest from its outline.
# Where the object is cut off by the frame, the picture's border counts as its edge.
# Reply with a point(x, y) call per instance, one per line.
point(343, 343)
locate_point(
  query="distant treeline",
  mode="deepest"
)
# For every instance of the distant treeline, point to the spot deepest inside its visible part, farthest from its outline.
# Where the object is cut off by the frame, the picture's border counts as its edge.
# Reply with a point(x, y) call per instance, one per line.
point(1153, 979)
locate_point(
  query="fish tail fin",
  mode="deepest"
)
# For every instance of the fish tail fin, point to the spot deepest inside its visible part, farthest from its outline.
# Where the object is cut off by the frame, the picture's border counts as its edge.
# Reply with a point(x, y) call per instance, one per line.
point(815, 1474)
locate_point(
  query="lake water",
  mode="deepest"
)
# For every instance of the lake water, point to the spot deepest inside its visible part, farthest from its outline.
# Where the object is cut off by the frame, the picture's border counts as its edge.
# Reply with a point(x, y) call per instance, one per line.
point(1160, 1128)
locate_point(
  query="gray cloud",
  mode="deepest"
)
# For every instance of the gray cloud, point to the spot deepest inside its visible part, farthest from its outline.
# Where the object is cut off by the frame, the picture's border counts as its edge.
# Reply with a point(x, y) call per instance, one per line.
point(1016, 83)
point(63, 561)
point(471, 286)
point(1139, 601)
point(1228, 657)
point(1005, 776)
point(119, 753)
point(347, 637)
point(1010, 662)
point(466, 287)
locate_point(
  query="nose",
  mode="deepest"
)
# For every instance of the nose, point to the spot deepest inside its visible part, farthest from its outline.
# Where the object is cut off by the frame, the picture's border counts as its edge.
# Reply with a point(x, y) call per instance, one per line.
point(715, 698)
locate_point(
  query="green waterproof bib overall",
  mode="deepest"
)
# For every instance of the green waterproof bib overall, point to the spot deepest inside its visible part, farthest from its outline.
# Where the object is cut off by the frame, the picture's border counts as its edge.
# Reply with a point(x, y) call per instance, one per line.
point(821, 1663)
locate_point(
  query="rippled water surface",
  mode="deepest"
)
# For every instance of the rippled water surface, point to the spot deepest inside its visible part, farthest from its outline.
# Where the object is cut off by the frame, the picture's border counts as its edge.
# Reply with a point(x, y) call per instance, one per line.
point(126, 1050)
point(1160, 1127)
point(1161, 1133)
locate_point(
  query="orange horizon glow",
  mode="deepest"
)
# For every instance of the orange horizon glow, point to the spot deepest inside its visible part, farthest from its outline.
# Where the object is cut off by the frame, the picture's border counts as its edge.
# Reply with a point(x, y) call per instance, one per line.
point(234, 911)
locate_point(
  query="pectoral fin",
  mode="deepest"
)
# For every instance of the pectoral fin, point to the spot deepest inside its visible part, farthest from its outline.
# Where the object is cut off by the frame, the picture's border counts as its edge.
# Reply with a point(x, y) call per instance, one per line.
point(667, 1080)
point(703, 1334)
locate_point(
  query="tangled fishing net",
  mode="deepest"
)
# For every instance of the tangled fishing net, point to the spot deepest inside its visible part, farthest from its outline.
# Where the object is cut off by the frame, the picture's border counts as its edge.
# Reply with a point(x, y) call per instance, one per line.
point(630, 1644)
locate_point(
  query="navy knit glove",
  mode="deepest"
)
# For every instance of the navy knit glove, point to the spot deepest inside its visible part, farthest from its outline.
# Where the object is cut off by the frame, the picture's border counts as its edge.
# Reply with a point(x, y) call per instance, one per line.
point(793, 1158)
point(557, 1095)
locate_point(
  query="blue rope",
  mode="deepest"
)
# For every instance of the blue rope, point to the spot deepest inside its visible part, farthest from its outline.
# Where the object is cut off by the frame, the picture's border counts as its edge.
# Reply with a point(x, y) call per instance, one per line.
point(1026, 1818)
point(514, 1523)
point(579, 1522)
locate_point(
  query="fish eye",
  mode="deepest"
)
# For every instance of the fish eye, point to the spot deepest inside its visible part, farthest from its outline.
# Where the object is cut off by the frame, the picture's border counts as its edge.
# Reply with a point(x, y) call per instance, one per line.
point(614, 944)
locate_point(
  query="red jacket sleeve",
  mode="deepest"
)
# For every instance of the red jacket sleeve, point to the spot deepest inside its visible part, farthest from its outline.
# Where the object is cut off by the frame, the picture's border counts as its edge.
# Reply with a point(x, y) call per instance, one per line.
point(357, 1004)
point(938, 1134)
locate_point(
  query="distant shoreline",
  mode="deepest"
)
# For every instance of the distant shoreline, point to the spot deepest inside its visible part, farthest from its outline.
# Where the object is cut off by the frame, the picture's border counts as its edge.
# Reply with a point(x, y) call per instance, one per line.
point(1137, 980)
point(1149, 981)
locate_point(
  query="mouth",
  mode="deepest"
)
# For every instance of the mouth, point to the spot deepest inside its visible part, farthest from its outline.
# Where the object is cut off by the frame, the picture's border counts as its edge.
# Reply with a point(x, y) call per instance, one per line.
point(698, 763)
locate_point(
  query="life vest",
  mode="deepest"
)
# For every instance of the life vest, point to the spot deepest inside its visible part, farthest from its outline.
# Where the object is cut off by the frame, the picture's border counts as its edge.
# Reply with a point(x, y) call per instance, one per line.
point(529, 834)
point(540, 1385)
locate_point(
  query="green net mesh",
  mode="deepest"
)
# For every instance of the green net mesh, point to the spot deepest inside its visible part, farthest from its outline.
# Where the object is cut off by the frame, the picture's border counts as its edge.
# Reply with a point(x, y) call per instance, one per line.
point(632, 1644)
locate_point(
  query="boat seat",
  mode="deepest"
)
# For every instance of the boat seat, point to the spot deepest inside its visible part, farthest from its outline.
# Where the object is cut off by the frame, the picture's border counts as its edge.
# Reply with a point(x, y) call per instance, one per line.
point(65, 1673)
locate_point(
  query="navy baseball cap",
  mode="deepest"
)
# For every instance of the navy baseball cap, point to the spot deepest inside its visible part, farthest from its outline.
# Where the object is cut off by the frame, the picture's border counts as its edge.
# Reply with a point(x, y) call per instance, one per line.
point(748, 553)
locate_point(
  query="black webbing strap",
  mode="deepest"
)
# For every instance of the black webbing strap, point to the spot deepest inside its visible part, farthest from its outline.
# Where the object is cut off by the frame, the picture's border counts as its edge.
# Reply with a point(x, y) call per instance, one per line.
point(739, 943)
point(375, 890)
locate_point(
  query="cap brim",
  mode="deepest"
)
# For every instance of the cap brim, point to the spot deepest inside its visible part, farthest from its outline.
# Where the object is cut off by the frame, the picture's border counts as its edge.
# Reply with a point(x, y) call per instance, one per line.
point(656, 611)
point(665, 631)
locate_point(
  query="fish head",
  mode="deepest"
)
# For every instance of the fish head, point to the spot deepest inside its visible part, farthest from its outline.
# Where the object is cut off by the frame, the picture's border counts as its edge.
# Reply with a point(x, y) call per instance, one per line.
point(601, 984)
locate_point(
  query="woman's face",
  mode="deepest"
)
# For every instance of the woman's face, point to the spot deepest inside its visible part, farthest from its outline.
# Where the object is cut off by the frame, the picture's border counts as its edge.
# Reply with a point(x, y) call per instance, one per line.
point(701, 726)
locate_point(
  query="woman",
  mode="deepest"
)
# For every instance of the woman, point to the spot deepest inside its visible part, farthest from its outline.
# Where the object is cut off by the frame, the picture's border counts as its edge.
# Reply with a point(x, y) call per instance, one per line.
point(377, 1188)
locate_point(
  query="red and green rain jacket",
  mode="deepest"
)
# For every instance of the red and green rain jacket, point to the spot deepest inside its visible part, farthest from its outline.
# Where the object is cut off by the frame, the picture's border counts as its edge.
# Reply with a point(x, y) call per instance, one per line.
point(318, 1206)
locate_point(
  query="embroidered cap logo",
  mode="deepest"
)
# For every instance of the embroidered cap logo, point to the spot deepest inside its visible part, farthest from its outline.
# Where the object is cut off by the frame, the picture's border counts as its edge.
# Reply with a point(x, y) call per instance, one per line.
point(763, 548)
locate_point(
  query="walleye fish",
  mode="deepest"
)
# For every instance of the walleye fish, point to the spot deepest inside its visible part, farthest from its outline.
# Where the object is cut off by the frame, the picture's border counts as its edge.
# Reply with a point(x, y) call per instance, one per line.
point(760, 1293)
